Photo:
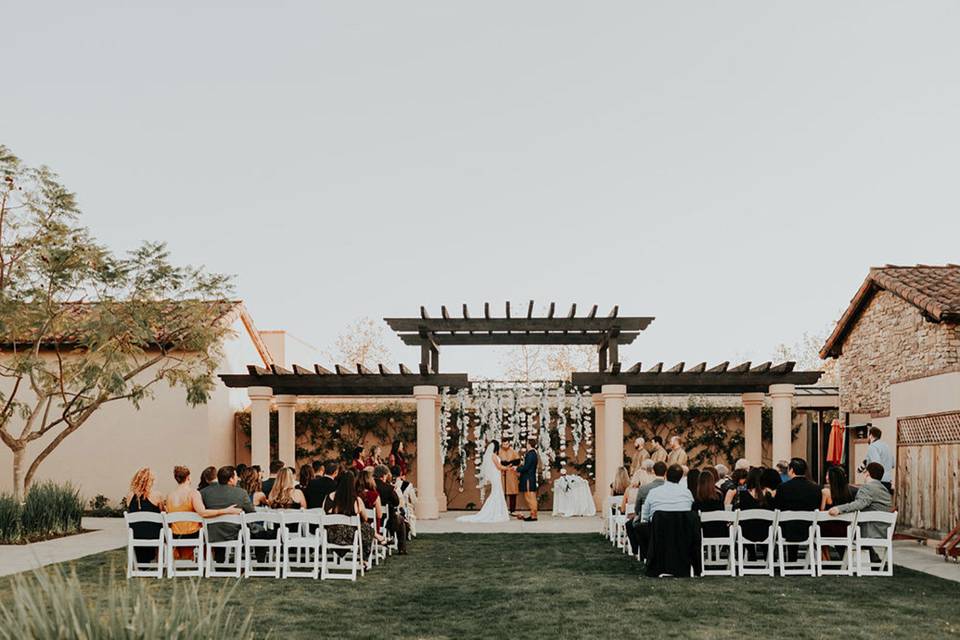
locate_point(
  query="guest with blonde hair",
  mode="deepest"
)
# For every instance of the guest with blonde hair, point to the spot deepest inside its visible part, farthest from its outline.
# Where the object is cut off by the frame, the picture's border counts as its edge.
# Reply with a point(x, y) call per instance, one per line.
point(284, 493)
point(143, 498)
point(187, 499)
point(621, 482)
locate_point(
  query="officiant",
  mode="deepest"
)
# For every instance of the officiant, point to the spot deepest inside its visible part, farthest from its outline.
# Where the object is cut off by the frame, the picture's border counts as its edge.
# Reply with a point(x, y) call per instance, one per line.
point(511, 480)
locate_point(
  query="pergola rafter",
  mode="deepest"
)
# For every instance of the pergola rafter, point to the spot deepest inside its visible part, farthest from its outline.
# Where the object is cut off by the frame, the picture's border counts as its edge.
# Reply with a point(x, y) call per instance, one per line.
point(344, 380)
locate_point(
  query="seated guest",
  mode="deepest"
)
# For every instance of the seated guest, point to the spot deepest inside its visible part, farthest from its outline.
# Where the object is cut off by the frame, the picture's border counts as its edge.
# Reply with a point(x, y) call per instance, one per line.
point(644, 474)
point(346, 502)
point(770, 482)
point(871, 496)
point(374, 458)
point(357, 463)
point(389, 497)
point(796, 494)
point(408, 493)
point(693, 479)
point(630, 497)
point(669, 496)
point(783, 468)
point(207, 477)
point(621, 481)
point(398, 456)
point(241, 469)
point(633, 524)
point(738, 484)
point(275, 467)
point(185, 499)
point(220, 495)
point(724, 481)
point(708, 499)
point(369, 496)
point(306, 475)
point(143, 498)
point(251, 483)
point(322, 485)
point(742, 463)
point(284, 494)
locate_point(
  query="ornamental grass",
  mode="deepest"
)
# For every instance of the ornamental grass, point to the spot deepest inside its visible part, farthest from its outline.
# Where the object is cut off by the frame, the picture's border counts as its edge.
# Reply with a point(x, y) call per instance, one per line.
point(50, 510)
point(53, 604)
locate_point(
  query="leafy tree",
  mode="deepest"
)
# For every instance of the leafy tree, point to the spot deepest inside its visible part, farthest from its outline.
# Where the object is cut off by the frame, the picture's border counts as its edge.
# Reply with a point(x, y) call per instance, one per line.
point(81, 327)
point(362, 342)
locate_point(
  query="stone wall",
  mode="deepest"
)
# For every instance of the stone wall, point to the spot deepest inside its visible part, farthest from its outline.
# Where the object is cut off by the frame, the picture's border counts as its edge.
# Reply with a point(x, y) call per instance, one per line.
point(890, 341)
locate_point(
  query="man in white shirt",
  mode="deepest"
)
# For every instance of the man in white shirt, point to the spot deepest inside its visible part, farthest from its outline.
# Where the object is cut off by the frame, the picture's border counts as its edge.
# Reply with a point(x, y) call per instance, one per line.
point(879, 452)
point(670, 496)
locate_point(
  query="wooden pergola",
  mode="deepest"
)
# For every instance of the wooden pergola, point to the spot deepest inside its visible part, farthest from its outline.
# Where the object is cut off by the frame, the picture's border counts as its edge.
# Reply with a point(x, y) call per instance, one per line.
point(610, 384)
point(607, 333)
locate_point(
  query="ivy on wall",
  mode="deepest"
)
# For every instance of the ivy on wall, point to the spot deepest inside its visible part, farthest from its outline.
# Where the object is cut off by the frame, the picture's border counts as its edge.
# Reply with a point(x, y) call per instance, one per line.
point(324, 433)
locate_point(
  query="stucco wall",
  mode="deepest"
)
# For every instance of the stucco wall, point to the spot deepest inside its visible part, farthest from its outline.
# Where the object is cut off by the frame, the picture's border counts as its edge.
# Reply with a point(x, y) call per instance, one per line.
point(891, 340)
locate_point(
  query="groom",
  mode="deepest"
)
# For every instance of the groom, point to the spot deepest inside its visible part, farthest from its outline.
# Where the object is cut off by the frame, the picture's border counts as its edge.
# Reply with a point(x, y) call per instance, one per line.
point(528, 478)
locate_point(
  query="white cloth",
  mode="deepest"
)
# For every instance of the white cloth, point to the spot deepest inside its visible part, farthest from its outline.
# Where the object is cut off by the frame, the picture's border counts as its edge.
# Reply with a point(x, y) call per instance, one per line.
point(495, 508)
point(571, 497)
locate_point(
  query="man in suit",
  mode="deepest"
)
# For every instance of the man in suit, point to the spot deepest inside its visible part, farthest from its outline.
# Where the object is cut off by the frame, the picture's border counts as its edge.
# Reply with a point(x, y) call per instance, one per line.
point(322, 485)
point(528, 478)
point(796, 494)
point(225, 493)
point(871, 496)
point(275, 468)
point(390, 499)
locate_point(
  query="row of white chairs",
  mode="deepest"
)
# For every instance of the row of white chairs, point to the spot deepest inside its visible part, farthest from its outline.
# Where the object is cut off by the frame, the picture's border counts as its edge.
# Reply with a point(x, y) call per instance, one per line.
point(735, 555)
point(298, 548)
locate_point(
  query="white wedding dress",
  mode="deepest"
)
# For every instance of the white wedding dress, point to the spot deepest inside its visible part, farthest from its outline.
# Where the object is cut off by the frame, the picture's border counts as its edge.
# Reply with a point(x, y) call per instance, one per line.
point(495, 508)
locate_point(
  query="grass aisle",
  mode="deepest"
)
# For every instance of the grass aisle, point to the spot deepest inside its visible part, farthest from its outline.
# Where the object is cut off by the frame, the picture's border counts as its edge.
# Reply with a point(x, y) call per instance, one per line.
point(575, 585)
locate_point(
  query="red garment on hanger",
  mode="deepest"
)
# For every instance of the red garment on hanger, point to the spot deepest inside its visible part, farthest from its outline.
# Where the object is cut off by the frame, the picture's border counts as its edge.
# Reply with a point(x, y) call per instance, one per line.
point(835, 445)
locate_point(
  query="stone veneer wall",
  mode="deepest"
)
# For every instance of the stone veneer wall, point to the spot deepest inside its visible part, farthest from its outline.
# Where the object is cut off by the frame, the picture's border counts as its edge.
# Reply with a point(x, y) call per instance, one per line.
point(891, 340)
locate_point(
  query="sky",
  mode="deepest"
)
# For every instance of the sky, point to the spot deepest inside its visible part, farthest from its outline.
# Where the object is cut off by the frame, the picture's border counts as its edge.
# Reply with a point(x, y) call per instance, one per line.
point(732, 169)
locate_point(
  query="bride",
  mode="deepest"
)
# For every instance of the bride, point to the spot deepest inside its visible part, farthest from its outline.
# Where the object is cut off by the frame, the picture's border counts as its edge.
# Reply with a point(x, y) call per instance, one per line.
point(495, 508)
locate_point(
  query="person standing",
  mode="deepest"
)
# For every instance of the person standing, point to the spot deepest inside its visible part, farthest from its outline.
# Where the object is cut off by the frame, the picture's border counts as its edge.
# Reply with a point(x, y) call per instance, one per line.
point(528, 478)
point(659, 454)
point(511, 481)
point(879, 452)
point(639, 457)
point(677, 454)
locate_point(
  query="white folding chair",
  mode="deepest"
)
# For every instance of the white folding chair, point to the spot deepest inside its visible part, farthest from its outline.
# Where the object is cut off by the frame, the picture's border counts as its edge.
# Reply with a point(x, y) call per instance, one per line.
point(883, 547)
point(183, 566)
point(307, 563)
point(378, 552)
point(266, 521)
point(712, 561)
point(804, 565)
point(136, 569)
point(758, 566)
point(612, 504)
point(845, 566)
point(620, 529)
point(232, 562)
point(334, 566)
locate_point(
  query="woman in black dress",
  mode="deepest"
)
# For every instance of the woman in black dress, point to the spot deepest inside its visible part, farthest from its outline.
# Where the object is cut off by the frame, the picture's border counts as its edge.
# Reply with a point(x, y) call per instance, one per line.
point(142, 498)
point(345, 501)
point(707, 498)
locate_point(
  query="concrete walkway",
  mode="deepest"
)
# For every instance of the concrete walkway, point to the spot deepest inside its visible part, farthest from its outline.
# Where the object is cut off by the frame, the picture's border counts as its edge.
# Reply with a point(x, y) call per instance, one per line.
point(447, 523)
point(919, 557)
point(106, 534)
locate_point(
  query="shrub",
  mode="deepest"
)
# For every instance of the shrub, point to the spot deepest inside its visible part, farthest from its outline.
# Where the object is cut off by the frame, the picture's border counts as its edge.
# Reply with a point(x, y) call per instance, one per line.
point(51, 604)
point(10, 511)
point(100, 507)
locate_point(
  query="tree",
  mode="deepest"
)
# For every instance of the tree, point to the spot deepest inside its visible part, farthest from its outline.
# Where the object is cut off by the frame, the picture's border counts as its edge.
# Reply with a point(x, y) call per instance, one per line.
point(362, 342)
point(534, 362)
point(806, 353)
point(81, 327)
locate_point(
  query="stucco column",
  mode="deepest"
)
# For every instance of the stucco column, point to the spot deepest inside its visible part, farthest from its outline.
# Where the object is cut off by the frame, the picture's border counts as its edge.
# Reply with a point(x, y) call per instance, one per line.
point(286, 432)
point(428, 507)
point(441, 494)
point(599, 429)
point(753, 427)
point(614, 398)
point(781, 396)
point(260, 398)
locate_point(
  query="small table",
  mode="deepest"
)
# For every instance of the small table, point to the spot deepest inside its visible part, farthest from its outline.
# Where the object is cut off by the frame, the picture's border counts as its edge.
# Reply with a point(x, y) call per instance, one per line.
point(572, 498)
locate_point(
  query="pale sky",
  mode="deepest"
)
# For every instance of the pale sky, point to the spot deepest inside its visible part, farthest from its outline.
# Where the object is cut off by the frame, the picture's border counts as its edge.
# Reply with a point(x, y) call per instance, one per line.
point(732, 168)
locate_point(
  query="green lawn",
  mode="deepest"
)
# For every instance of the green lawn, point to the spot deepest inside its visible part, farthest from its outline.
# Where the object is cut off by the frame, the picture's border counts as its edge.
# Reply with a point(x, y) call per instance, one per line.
point(560, 586)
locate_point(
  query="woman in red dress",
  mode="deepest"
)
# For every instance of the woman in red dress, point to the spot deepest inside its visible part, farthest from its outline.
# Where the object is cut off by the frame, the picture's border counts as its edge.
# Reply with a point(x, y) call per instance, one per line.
point(367, 491)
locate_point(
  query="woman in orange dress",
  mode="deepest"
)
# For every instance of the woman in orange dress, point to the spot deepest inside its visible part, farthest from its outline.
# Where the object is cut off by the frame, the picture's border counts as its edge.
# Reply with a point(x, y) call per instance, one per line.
point(186, 499)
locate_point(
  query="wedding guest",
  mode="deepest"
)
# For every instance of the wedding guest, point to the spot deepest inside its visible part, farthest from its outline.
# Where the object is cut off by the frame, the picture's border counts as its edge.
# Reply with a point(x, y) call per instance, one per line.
point(367, 490)
point(398, 456)
point(251, 483)
point(222, 494)
point(837, 492)
point(357, 463)
point(187, 499)
point(677, 454)
point(634, 525)
point(796, 494)
point(783, 468)
point(659, 454)
point(284, 493)
point(322, 485)
point(346, 502)
point(389, 497)
point(275, 467)
point(879, 452)
point(621, 481)
point(143, 498)
point(374, 458)
point(693, 478)
point(207, 477)
point(871, 496)
point(740, 480)
point(511, 481)
point(672, 495)
point(630, 495)
point(742, 463)
point(306, 475)
point(724, 481)
point(707, 498)
point(644, 475)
